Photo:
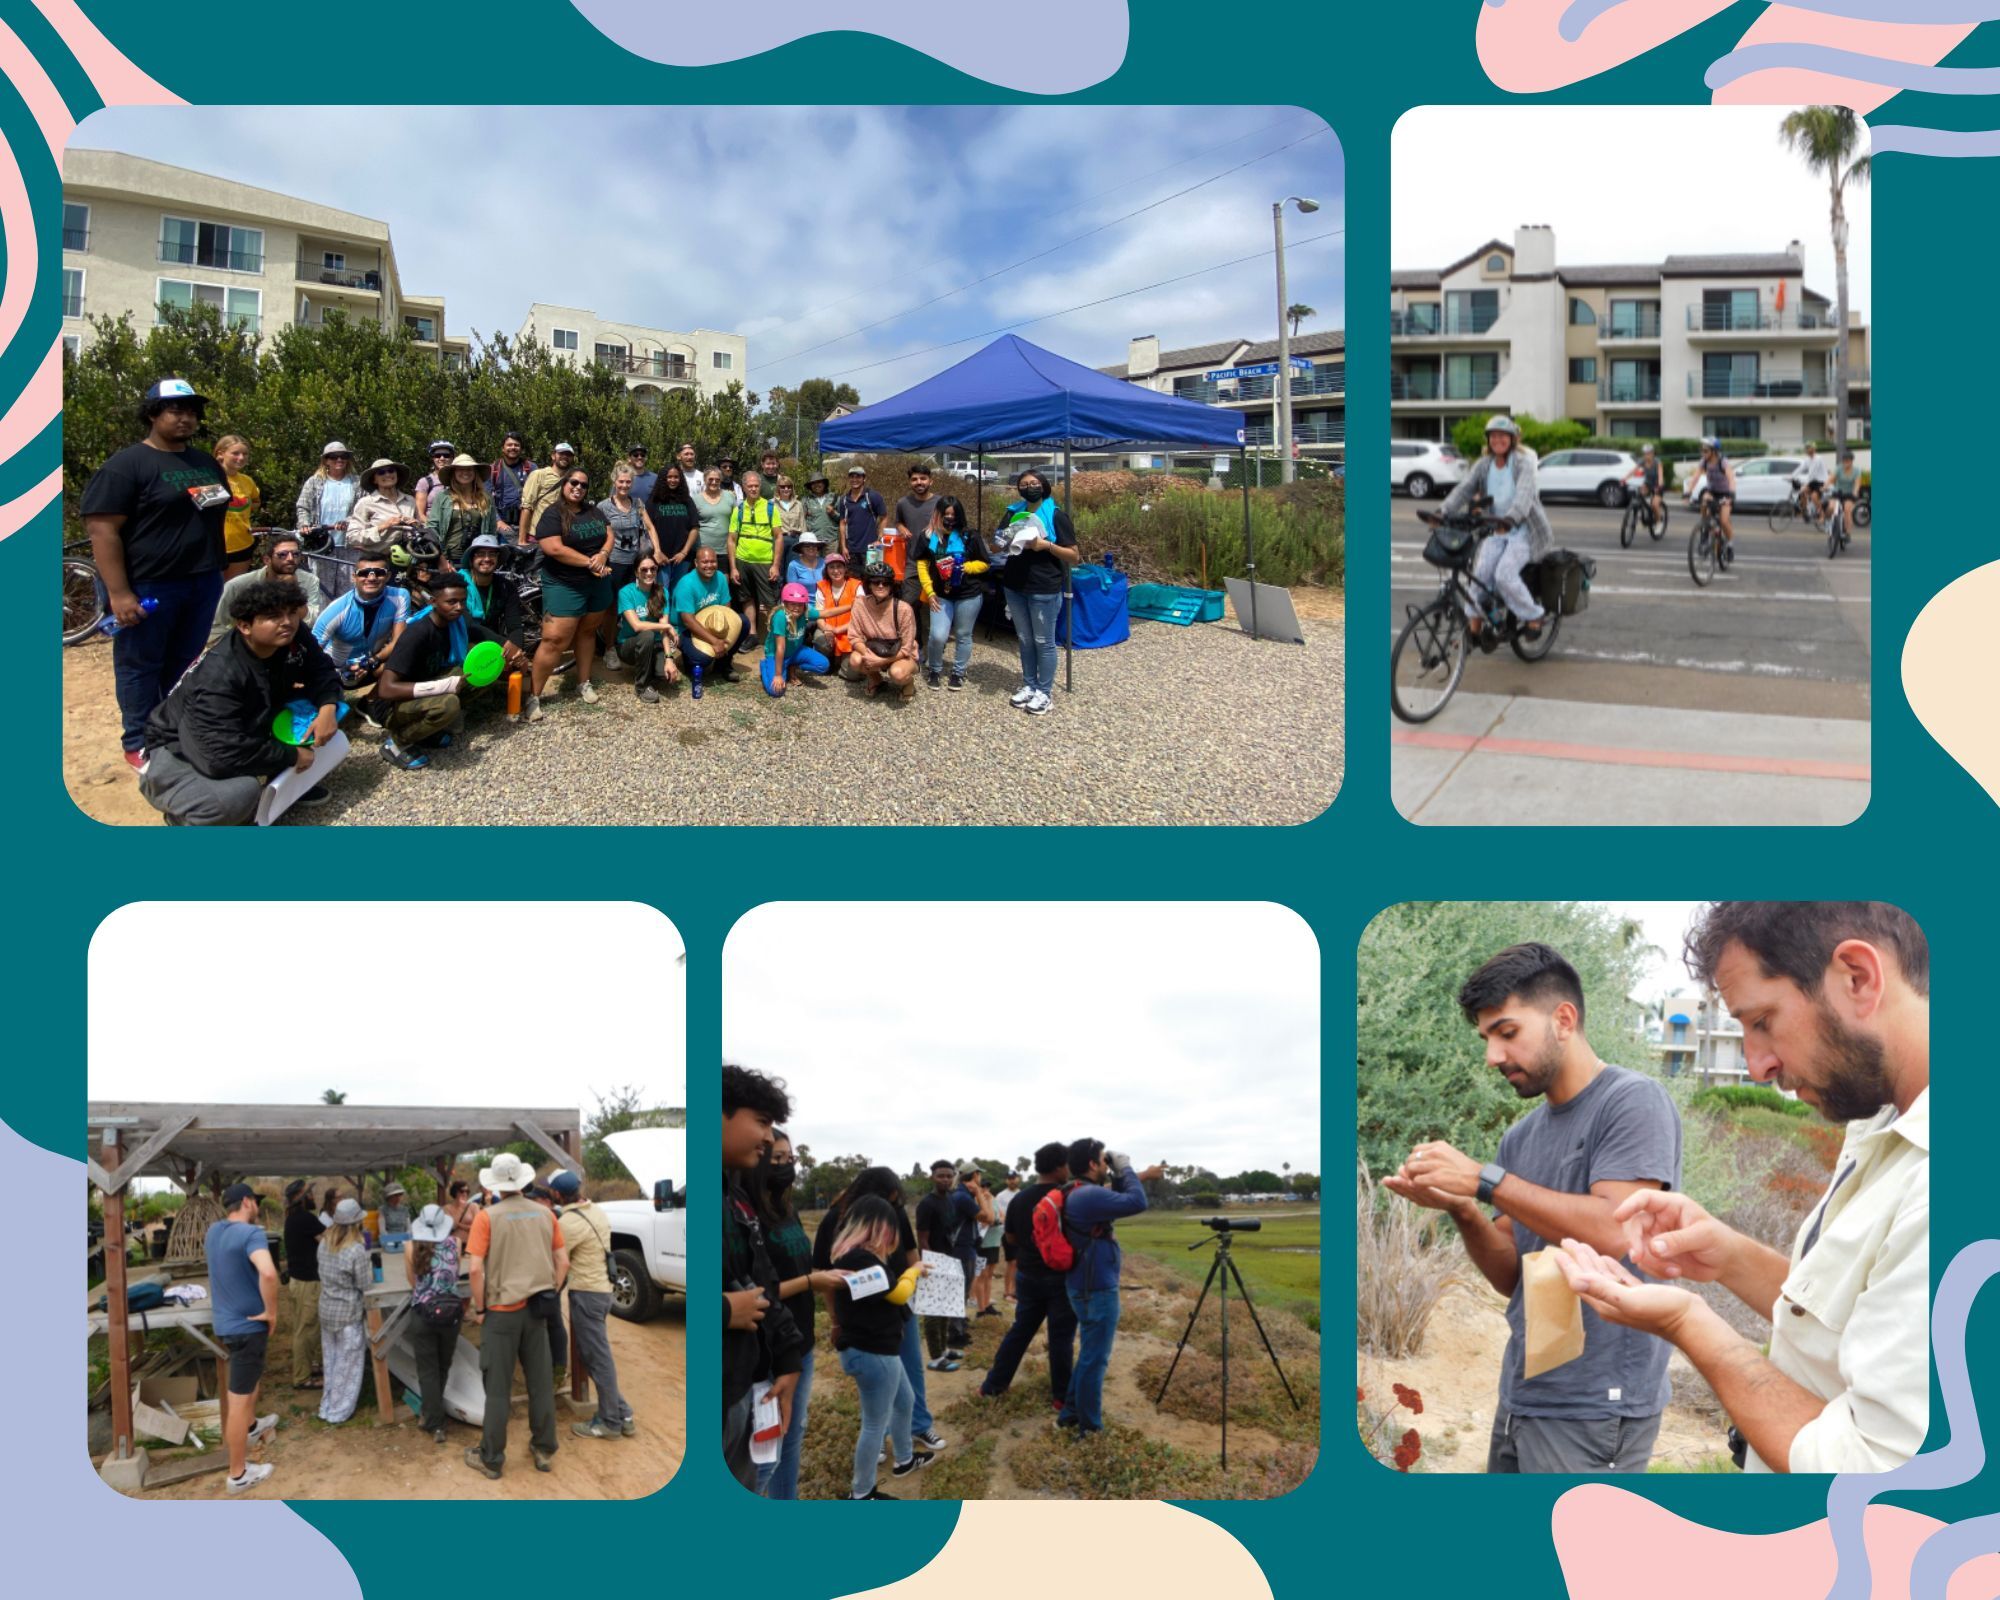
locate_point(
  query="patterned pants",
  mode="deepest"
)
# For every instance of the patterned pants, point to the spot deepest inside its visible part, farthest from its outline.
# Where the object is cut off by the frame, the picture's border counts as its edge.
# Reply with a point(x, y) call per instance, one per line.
point(346, 1359)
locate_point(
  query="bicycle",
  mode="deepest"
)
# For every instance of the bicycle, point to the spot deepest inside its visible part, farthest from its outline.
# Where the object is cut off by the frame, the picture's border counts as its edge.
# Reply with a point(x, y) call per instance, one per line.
point(1792, 507)
point(85, 605)
point(1429, 655)
point(1708, 551)
point(1837, 536)
point(1864, 512)
point(1638, 511)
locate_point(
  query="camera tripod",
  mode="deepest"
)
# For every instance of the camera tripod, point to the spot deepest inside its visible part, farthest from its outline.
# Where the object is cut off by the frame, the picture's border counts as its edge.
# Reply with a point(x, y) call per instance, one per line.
point(1220, 1271)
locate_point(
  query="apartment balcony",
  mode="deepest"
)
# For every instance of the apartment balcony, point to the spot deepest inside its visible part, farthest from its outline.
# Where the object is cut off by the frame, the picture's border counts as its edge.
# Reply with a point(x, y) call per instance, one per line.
point(1416, 390)
point(1857, 378)
point(76, 238)
point(1432, 325)
point(1613, 392)
point(1321, 383)
point(316, 277)
point(180, 253)
point(1725, 325)
point(1630, 331)
point(662, 369)
point(1778, 388)
point(1306, 431)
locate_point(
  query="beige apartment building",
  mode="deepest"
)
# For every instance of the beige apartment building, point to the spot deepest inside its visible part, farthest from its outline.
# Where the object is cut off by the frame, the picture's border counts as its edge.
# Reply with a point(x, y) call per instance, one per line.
point(138, 234)
point(652, 360)
point(1215, 375)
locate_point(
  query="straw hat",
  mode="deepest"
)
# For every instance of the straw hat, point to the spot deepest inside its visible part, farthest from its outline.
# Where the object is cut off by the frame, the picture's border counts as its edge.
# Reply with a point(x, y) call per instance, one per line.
point(464, 460)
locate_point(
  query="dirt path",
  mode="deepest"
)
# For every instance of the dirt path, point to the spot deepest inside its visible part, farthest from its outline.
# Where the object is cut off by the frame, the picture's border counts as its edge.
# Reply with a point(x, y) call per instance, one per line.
point(361, 1461)
point(1458, 1376)
point(94, 769)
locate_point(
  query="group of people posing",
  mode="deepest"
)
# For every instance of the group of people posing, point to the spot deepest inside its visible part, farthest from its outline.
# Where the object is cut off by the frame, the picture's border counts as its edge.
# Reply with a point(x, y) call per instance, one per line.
point(669, 575)
point(515, 1246)
point(1056, 1235)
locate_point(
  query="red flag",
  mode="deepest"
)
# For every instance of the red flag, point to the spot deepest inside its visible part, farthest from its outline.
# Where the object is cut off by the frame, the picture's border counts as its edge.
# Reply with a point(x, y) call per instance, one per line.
point(1781, 294)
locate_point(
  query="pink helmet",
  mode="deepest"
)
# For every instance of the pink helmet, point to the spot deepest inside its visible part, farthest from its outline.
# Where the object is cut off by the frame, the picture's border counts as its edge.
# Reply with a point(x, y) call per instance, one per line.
point(794, 594)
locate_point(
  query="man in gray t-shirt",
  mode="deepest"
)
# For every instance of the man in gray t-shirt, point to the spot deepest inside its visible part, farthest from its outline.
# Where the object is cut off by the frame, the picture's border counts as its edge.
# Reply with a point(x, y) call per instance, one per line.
point(912, 514)
point(1602, 1133)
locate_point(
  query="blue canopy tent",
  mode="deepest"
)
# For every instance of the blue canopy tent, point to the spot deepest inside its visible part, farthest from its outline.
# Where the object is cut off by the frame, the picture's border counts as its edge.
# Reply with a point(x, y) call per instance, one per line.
point(1014, 395)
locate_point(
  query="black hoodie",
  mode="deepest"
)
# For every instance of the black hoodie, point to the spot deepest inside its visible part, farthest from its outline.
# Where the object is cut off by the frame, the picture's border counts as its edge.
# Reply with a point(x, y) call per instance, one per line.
point(218, 717)
point(774, 1347)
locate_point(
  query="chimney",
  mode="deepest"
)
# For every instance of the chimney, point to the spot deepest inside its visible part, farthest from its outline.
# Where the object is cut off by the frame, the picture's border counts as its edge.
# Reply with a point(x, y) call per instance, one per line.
point(1142, 360)
point(1797, 252)
point(1534, 251)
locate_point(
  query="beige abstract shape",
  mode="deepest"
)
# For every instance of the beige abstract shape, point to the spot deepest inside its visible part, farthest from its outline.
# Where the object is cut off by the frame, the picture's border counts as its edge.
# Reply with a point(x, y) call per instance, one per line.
point(1148, 1543)
point(1947, 661)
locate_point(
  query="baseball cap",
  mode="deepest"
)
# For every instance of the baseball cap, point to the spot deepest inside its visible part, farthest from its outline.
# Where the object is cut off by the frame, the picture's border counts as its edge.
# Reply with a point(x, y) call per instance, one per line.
point(236, 1194)
point(174, 389)
point(565, 1182)
point(565, 445)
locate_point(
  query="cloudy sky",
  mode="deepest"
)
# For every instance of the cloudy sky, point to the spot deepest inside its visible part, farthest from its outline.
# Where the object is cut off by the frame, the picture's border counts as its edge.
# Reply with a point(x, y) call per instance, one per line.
point(1177, 1033)
point(800, 226)
point(1665, 922)
point(191, 1002)
point(1617, 183)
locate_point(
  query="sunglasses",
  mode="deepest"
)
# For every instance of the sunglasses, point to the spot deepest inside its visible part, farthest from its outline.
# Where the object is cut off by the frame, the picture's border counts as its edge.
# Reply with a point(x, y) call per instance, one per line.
point(342, 457)
point(440, 455)
point(370, 572)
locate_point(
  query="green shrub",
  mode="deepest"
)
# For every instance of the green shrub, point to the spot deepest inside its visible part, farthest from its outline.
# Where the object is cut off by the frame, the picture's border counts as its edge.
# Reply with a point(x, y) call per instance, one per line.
point(1299, 532)
point(1544, 438)
point(1742, 1096)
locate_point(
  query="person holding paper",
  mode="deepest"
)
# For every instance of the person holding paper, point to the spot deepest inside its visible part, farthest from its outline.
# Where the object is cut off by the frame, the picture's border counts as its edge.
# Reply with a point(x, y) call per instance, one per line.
point(1603, 1134)
point(940, 1216)
point(1834, 998)
point(209, 746)
point(878, 1279)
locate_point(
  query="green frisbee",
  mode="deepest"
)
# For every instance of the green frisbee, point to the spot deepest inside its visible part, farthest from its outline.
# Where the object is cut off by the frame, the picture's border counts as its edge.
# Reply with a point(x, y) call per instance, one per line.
point(484, 662)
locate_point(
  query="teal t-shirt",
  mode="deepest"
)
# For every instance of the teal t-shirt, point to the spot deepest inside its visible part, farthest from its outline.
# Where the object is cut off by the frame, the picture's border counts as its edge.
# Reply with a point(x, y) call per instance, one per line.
point(781, 628)
point(691, 594)
point(632, 598)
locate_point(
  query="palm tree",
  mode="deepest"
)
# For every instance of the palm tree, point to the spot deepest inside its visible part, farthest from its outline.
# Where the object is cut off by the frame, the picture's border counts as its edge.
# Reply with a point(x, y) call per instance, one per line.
point(1826, 137)
point(1298, 313)
point(333, 1097)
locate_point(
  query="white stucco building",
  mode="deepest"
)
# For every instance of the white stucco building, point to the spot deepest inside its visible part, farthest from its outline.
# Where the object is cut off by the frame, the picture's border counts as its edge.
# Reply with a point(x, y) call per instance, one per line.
point(652, 360)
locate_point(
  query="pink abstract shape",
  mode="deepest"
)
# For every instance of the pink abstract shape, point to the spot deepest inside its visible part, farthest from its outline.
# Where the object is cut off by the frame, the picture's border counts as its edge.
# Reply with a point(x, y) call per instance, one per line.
point(17, 225)
point(1523, 51)
point(1924, 43)
point(117, 81)
point(17, 513)
point(39, 400)
point(19, 66)
point(1608, 1540)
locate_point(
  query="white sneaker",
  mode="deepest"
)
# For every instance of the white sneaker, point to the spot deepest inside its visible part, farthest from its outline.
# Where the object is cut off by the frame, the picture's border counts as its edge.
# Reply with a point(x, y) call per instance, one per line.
point(1022, 696)
point(254, 1473)
point(588, 694)
point(1039, 705)
point(531, 708)
point(264, 1427)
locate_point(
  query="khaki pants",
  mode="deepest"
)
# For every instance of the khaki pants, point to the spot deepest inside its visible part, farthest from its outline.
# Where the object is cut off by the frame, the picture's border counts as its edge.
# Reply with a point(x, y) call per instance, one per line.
point(302, 1301)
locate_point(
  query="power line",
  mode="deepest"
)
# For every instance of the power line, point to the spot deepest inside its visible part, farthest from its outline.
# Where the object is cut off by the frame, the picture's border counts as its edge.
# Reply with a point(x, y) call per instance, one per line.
point(1123, 294)
point(1074, 205)
point(1062, 244)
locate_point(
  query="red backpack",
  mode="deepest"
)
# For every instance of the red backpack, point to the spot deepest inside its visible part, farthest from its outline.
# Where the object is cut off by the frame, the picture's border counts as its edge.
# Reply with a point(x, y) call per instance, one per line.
point(1052, 1239)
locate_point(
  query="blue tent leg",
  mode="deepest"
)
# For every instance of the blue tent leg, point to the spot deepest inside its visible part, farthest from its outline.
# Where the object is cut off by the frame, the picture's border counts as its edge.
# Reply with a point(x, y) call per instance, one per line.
point(1069, 593)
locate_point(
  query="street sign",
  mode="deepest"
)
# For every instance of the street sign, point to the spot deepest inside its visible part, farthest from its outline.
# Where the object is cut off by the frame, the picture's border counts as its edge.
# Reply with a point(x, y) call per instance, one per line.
point(1263, 369)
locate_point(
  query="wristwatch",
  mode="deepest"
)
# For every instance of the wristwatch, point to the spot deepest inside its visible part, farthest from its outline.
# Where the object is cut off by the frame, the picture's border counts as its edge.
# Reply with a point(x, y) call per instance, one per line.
point(1490, 1176)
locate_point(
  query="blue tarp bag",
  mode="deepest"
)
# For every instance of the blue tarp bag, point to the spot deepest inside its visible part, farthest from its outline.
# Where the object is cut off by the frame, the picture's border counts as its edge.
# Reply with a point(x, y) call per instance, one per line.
point(1102, 617)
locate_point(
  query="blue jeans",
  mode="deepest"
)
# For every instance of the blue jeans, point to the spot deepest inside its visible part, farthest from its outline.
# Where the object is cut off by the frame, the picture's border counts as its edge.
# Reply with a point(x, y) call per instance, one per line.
point(886, 1398)
point(1039, 1295)
point(952, 619)
point(803, 659)
point(913, 1364)
point(780, 1480)
point(1035, 624)
point(1097, 1326)
point(148, 658)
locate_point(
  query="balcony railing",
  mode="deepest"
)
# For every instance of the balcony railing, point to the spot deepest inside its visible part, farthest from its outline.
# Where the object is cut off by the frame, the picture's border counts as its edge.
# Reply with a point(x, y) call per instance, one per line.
point(72, 305)
point(311, 271)
point(1733, 319)
point(1763, 386)
point(1305, 430)
point(1630, 325)
point(1429, 386)
point(1320, 381)
point(1629, 391)
point(76, 238)
point(1448, 323)
point(181, 253)
point(1857, 378)
point(661, 367)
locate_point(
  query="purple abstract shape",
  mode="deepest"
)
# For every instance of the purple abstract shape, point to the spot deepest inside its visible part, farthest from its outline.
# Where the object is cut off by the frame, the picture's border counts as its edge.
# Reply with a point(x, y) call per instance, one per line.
point(1082, 41)
point(1959, 1460)
point(1945, 1551)
point(57, 1493)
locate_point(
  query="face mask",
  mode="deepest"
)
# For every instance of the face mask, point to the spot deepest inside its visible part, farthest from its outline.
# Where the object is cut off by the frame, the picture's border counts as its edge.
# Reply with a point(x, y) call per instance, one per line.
point(782, 1173)
point(1033, 492)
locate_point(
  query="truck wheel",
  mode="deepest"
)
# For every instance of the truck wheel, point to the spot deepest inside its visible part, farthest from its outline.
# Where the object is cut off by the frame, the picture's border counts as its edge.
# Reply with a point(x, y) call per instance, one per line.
point(634, 1295)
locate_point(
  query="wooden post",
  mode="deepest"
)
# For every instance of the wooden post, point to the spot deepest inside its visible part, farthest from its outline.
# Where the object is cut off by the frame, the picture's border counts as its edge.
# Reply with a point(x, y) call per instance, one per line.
point(385, 1412)
point(117, 1321)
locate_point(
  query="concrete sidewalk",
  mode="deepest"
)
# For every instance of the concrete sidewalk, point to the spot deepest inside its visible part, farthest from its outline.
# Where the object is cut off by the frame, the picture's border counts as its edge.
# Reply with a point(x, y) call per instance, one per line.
point(1507, 760)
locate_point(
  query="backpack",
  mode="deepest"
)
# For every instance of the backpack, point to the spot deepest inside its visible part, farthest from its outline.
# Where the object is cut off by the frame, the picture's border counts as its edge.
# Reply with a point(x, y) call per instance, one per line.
point(1052, 1233)
point(148, 1296)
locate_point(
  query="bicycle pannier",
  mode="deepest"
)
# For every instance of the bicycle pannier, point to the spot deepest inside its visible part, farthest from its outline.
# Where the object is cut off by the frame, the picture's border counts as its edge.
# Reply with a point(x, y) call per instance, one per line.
point(1451, 545)
point(1564, 582)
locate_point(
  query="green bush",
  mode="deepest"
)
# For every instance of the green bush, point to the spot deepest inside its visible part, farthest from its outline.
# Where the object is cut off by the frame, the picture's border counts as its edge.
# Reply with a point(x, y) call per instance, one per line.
point(1299, 532)
point(1544, 438)
point(1743, 1096)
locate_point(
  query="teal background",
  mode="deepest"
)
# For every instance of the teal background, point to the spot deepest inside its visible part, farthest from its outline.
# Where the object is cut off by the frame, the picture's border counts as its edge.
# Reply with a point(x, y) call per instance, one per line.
point(1925, 841)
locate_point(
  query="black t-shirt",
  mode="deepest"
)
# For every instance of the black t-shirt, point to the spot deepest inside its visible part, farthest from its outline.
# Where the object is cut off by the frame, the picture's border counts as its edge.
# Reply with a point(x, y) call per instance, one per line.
point(587, 535)
point(1039, 572)
point(1020, 1227)
point(792, 1255)
point(871, 1324)
point(673, 519)
point(424, 651)
point(166, 535)
point(302, 1231)
point(937, 1223)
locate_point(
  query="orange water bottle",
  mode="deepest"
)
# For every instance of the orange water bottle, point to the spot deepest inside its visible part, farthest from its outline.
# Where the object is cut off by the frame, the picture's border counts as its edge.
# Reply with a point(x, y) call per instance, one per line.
point(513, 694)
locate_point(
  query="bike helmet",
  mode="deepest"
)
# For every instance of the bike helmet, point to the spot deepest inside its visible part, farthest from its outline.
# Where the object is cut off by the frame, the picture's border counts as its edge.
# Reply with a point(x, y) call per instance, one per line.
point(400, 556)
point(1712, 444)
point(424, 549)
point(794, 594)
point(877, 569)
point(1847, 455)
point(1503, 424)
point(1645, 450)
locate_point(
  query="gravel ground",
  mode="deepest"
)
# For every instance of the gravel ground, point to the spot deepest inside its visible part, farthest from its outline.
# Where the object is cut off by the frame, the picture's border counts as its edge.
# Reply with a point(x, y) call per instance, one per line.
point(1180, 725)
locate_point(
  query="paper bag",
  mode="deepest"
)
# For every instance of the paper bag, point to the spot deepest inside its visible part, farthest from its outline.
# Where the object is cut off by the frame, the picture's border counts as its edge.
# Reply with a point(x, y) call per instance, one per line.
point(1552, 1314)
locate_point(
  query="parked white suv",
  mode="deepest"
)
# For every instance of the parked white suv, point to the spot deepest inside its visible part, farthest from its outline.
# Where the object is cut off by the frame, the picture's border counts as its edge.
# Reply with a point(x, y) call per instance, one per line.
point(649, 1236)
point(1765, 481)
point(1421, 467)
point(969, 468)
point(1585, 475)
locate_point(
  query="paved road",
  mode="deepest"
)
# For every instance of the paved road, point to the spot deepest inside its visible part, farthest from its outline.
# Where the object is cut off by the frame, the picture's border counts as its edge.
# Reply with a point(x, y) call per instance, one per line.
point(1784, 632)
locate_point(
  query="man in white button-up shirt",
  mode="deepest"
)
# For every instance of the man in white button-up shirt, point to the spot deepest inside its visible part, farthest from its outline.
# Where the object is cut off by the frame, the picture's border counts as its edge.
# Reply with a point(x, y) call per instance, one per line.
point(1834, 1001)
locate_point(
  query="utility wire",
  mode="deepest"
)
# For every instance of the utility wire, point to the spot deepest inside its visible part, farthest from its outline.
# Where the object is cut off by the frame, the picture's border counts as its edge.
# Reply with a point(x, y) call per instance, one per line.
point(1061, 244)
point(1123, 294)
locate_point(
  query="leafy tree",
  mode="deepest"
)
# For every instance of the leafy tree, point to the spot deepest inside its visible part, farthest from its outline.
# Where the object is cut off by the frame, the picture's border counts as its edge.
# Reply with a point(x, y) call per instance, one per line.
point(827, 1178)
point(1295, 313)
point(1254, 1181)
point(617, 1110)
point(1419, 1067)
point(1825, 138)
point(333, 1097)
point(1304, 1183)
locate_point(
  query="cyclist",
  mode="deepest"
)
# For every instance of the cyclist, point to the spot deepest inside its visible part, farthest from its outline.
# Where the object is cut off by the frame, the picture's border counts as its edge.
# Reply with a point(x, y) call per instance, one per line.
point(1505, 476)
point(1845, 487)
point(1714, 475)
point(1809, 483)
point(1651, 480)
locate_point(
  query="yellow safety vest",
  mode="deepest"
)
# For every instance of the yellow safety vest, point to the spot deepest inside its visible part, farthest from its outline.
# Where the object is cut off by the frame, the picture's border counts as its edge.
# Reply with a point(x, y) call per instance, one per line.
point(753, 542)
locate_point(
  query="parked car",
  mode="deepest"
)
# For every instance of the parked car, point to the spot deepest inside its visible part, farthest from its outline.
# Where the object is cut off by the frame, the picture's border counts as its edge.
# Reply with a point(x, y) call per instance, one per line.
point(1765, 482)
point(648, 1236)
point(1585, 475)
point(969, 468)
point(1421, 467)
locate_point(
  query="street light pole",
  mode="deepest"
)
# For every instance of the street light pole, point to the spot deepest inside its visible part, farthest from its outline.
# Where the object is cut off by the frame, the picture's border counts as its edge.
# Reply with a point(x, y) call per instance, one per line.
point(1287, 470)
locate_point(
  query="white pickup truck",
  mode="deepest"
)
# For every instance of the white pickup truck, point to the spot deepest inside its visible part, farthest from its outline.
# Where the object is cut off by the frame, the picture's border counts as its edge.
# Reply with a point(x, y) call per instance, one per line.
point(967, 467)
point(649, 1235)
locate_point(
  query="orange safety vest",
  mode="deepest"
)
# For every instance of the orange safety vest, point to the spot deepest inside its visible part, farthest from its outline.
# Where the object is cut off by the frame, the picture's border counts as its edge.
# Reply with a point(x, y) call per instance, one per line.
point(834, 609)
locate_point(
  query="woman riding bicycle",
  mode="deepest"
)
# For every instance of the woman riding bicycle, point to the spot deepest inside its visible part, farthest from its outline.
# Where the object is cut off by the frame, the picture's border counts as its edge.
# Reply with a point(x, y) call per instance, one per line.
point(1505, 476)
point(1715, 476)
point(1651, 480)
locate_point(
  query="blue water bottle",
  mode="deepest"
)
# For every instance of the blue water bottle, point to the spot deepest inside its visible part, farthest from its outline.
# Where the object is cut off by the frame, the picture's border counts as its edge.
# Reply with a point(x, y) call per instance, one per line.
point(147, 607)
point(375, 1262)
point(697, 680)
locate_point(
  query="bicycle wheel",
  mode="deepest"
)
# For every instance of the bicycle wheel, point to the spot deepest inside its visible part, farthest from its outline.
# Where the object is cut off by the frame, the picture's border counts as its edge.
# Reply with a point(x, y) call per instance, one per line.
point(1863, 513)
point(1545, 641)
point(1630, 524)
point(1835, 538)
point(1659, 524)
point(83, 600)
point(1427, 661)
point(1701, 555)
point(1782, 515)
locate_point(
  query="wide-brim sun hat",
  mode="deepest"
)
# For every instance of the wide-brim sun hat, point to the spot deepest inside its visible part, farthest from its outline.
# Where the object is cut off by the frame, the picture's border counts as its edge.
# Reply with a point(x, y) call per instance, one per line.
point(335, 448)
point(432, 1225)
point(485, 541)
point(464, 460)
point(347, 1213)
point(724, 620)
point(509, 1174)
point(819, 478)
point(810, 538)
point(384, 464)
